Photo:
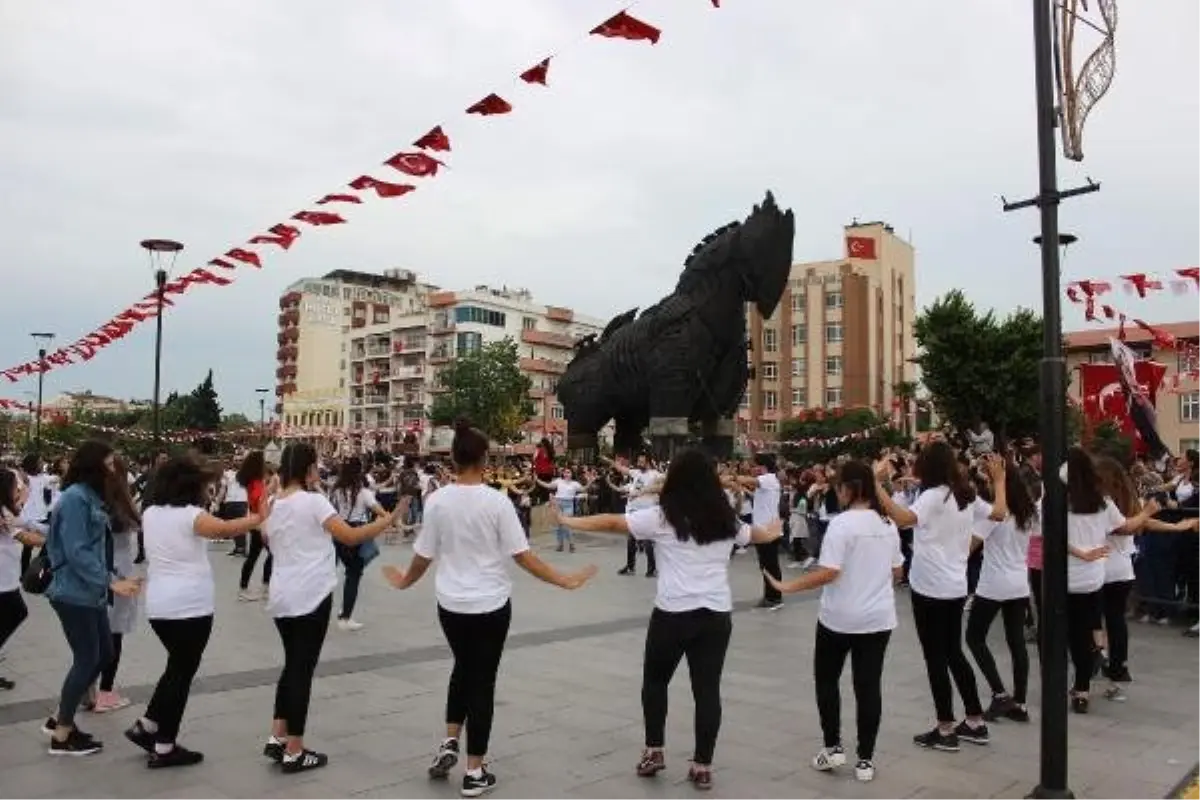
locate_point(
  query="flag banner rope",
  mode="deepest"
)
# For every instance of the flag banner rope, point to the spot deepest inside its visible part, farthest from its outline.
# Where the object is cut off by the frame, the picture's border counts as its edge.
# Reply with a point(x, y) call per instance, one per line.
point(827, 441)
point(414, 164)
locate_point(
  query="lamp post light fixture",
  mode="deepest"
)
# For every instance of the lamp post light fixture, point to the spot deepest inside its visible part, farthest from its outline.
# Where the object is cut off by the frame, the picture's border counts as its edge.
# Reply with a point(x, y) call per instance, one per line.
point(42, 339)
point(262, 412)
point(162, 254)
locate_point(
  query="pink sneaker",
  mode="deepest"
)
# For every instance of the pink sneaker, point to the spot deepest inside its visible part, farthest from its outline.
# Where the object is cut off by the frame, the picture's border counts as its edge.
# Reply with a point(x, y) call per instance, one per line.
point(109, 701)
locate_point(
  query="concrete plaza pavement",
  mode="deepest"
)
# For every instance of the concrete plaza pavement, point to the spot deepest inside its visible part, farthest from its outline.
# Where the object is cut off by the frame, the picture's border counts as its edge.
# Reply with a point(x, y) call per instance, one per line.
point(568, 718)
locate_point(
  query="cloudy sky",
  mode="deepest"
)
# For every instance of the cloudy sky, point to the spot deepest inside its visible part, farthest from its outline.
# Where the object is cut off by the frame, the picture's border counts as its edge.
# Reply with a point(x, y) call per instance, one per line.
point(209, 121)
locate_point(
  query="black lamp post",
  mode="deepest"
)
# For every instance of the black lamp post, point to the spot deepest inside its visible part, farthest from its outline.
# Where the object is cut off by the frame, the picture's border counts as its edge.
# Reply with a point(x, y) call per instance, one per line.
point(42, 340)
point(262, 412)
point(162, 254)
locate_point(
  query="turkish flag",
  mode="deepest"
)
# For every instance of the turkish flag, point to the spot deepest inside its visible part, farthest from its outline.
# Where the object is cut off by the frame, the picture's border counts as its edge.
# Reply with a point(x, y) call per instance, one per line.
point(245, 256)
point(537, 73)
point(381, 188)
point(319, 217)
point(282, 235)
point(490, 105)
point(624, 26)
point(339, 198)
point(217, 262)
point(419, 165)
point(1104, 397)
point(435, 140)
point(861, 247)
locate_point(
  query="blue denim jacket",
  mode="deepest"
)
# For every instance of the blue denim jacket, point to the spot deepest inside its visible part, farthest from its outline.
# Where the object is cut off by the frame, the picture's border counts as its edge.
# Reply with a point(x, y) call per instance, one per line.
point(77, 548)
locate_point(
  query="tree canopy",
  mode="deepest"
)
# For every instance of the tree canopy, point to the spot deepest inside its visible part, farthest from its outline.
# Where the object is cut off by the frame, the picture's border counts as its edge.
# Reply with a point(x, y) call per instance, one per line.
point(486, 386)
point(830, 427)
point(978, 367)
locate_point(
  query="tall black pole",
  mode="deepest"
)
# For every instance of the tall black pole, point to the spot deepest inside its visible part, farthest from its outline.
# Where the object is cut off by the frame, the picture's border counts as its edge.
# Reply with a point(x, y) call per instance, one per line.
point(160, 281)
point(262, 418)
point(37, 423)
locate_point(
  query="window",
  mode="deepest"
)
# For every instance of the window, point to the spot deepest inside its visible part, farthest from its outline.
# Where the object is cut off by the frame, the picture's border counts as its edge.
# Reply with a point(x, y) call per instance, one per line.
point(833, 365)
point(770, 400)
point(770, 371)
point(799, 335)
point(529, 323)
point(468, 342)
point(833, 332)
point(1189, 358)
point(745, 401)
point(798, 397)
point(770, 426)
point(833, 397)
point(1100, 357)
point(833, 300)
point(799, 302)
point(1189, 407)
point(1189, 444)
point(799, 367)
point(483, 316)
point(770, 340)
point(556, 411)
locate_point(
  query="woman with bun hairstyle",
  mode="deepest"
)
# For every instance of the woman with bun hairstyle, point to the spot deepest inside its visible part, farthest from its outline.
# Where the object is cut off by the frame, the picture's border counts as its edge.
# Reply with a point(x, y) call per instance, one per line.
point(472, 531)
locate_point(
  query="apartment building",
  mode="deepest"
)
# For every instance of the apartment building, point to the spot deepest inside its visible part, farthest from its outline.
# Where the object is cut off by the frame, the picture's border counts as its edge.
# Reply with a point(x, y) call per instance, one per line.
point(1178, 413)
point(841, 336)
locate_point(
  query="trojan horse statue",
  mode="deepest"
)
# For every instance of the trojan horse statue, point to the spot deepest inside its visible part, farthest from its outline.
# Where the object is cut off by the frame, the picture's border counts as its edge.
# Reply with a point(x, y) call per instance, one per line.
point(684, 360)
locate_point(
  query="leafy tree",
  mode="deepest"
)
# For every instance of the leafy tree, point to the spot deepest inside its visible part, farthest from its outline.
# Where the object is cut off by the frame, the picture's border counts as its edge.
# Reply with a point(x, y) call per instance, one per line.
point(1108, 439)
point(978, 367)
point(488, 387)
point(235, 421)
point(831, 426)
point(204, 407)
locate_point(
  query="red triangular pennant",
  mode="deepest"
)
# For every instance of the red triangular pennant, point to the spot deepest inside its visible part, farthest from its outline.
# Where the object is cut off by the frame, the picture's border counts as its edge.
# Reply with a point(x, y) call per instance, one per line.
point(490, 105)
point(319, 218)
point(419, 165)
point(339, 198)
point(381, 188)
point(537, 73)
point(245, 256)
point(435, 140)
point(625, 26)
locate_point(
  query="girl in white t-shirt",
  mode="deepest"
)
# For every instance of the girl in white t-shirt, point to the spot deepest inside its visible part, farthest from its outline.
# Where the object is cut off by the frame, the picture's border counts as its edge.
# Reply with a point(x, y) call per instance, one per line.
point(472, 532)
point(357, 505)
point(179, 597)
point(859, 565)
point(694, 530)
point(565, 498)
point(302, 529)
point(14, 536)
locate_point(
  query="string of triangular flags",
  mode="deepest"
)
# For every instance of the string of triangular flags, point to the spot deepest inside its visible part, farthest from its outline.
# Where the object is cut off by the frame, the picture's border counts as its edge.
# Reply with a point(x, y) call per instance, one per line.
point(418, 161)
point(817, 441)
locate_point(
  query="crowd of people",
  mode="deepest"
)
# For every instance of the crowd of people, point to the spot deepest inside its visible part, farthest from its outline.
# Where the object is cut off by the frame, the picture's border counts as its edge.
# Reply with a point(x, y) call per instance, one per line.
point(959, 530)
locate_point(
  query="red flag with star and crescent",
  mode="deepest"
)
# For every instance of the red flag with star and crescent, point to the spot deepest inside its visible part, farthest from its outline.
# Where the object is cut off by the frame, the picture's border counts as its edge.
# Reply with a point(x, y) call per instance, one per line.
point(861, 247)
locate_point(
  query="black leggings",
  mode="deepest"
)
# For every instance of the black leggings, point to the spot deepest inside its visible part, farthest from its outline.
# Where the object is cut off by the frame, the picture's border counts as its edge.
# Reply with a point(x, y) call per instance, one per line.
point(939, 627)
point(302, 637)
point(477, 642)
point(866, 651)
point(185, 641)
point(703, 636)
point(1083, 617)
point(108, 675)
point(1114, 598)
point(256, 547)
point(979, 622)
point(632, 546)
point(348, 555)
point(12, 613)
point(768, 559)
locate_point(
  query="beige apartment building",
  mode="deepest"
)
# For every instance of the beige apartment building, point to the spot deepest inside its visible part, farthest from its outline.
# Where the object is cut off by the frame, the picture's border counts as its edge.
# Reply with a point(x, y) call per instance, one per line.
point(841, 336)
point(1178, 413)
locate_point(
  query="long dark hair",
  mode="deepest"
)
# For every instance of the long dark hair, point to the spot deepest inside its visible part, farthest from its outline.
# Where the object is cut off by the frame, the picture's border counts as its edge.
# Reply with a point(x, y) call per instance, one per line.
point(693, 502)
point(182, 481)
point(856, 478)
point(1084, 495)
point(9, 483)
point(350, 480)
point(1115, 482)
point(294, 463)
point(87, 466)
point(1018, 497)
point(936, 466)
point(253, 468)
point(122, 511)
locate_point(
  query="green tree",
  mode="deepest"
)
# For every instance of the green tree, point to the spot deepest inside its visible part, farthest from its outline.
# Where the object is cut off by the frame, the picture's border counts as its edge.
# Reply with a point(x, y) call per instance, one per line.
point(488, 387)
point(204, 408)
point(1107, 439)
point(852, 423)
point(978, 367)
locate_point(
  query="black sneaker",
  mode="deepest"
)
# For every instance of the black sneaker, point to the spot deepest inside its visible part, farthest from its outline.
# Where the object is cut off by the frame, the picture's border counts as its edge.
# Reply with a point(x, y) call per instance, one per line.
point(999, 707)
point(303, 761)
point(178, 757)
point(1079, 704)
point(473, 786)
point(652, 573)
point(936, 740)
point(77, 743)
point(7, 685)
point(274, 749)
point(769, 605)
point(444, 761)
point(1017, 713)
point(626, 571)
point(975, 735)
point(49, 726)
point(1117, 674)
point(141, 737)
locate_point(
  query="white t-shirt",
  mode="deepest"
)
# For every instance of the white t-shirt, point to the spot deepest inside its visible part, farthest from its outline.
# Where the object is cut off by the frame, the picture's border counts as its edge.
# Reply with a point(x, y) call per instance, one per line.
point(765, 508)
point(1087, 532)
point(864, 548)
point(357, 512)
point(639, 481)
point(690, 575)
point(1004, 574)
point(471, 533)
point(305, 569)
point(35, 509)
point(1119, 564)
point(941, 545)
point(566, 490)
point(179, 579)
point(10, 553)
point(234, 491)
point(1184, 490)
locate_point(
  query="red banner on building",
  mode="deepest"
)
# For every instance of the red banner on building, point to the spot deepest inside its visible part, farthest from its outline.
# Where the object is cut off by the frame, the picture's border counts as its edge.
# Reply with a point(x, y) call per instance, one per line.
point(1103, 397)
point(861, 247)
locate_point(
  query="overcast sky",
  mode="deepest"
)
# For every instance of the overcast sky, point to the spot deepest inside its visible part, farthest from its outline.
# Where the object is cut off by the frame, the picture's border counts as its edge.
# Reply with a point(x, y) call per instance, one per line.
point(209, 121)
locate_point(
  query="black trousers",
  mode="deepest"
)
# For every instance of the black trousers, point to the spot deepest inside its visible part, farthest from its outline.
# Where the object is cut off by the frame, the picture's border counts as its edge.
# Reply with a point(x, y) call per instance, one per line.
point(979, 621)
point(866, 651)
point(1114, 600)
point(257, 545)
point(632, 546)
point(768, 559)
point(235, 509)
point(352, 561)
point(477, 642)
point(939, 628)
point(185, 641)
point(108, 675)
point(1083, 617)
point(302, 637)
point(12, 613)
point(974, 566)
point(703, 637)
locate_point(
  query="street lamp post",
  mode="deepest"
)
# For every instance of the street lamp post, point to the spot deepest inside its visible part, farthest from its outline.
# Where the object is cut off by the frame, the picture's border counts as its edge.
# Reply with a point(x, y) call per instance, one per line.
point(42, 340)
point(162, 253)
point(262, 412)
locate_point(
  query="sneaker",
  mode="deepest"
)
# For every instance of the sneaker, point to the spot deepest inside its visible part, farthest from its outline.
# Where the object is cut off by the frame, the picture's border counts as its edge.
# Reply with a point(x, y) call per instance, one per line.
point(1115, 693)
point(1031, 634)
point(1144, 618)
point(1163, 621)
point(975, 735)
point(109, 701)
point(178, 757)
point(864, 770)
point(77, 743)
point(303, 761)
point(626, 571)
point(1079, 704)
point(274, 749)
point(1117, 674)
point(249, 596)
point(444, 761)
point(808, 562)
point(1017, 713)
point(652, 763)
point(7, 685)
point(829, 758)
point(485, 774)
point(138, 735)
point(652, 573)
point(936, 740)
point(769, 605)
point(999, 707)
point(476, 785)
point(49, 726)
point(1193, 631)
point(700, 778)
point(348, 624)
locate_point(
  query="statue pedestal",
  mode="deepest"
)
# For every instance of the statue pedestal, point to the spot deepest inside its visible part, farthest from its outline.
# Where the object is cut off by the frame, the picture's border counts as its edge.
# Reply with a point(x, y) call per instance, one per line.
point(719, 439)
point(583, 448)
point(668, 435)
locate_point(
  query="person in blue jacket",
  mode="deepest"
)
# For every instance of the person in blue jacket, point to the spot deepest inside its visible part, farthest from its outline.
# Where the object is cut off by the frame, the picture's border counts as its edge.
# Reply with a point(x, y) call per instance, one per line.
point(79, 548)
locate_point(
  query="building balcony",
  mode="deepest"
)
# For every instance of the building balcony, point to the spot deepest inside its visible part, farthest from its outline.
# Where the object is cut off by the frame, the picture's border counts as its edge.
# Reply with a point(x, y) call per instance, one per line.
point(548, 339)
point(440, 299)
point(288, 299)
point(405, 373)
point(379, 352)
point(356, 400)
point(409, 346)
point(546, 424)
point(377, 399)
point(287, 352)
point(538, 394)
point(290, 334)
point(409, 399)
point(543, 365)
point(440, 357)
point(441, 327)
point(558, 314)
point(290, 316)
point(358, 354)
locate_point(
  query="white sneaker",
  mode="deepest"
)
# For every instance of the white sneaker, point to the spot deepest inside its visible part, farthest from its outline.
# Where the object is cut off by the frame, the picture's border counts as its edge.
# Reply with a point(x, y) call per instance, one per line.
point(828, 758)
point(808, 562)
point(249, 596)
point(864, 770)
point(349, 625)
